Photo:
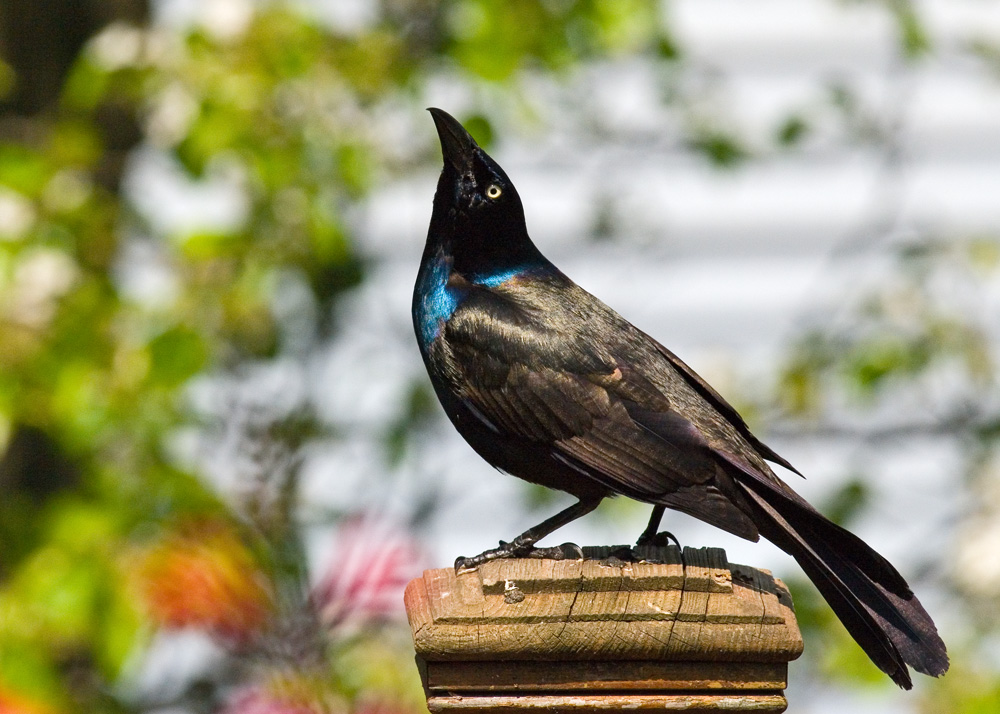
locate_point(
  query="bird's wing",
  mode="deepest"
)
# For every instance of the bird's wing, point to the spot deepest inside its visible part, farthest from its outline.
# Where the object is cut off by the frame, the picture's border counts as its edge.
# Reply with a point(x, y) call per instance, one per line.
point(542, 381)
point(721, 405)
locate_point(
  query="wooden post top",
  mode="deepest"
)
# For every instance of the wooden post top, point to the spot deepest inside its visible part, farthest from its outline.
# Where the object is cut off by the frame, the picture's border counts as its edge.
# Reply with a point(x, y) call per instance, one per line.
point(641, 632)
point(605, 609)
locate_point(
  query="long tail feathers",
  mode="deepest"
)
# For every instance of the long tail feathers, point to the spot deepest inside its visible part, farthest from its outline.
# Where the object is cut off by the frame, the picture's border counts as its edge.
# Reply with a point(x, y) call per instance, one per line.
point(865, 591)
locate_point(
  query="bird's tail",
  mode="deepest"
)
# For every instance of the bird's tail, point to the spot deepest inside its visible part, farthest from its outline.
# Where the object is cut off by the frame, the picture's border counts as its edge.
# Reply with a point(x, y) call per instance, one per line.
point(866, 592)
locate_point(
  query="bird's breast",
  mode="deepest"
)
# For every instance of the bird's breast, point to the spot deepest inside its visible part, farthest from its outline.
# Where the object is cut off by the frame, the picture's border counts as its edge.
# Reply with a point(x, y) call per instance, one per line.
point(439, 292)
point(434, 300)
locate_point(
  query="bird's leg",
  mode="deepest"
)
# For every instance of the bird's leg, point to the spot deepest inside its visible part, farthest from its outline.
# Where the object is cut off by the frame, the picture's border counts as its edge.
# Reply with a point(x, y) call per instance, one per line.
point(654, 525)
point(524, 545)
point(651, 536)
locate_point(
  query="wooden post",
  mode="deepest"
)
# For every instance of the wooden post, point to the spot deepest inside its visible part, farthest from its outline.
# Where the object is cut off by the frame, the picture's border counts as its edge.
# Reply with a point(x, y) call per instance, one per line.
point(601, 633)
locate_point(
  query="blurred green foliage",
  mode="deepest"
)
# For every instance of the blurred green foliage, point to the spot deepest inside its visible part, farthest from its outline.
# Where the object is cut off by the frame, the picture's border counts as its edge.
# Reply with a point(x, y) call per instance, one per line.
point(904, 333)
point(93, 374)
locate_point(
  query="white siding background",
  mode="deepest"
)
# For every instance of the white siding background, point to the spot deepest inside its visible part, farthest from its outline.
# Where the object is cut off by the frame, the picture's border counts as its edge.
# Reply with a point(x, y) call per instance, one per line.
point(721, 266)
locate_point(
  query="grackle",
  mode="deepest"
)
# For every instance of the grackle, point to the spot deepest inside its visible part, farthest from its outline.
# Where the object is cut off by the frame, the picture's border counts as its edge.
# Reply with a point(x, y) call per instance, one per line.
point(549, 384)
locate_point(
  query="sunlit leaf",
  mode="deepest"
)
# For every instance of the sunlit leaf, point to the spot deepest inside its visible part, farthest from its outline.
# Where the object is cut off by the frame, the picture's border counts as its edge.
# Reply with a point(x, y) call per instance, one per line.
point(176, 356)
point(481, 129)
point(22, 169)
point(913, 37)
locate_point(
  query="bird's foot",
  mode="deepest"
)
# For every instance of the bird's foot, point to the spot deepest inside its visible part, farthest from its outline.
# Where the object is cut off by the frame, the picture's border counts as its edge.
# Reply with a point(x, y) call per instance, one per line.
point(566, 551)
point(658, 540)
point(504, 551)
point(651, 544)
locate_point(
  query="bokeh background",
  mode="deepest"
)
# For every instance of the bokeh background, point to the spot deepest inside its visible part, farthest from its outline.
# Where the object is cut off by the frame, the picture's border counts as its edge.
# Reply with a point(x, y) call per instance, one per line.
point(221, 460)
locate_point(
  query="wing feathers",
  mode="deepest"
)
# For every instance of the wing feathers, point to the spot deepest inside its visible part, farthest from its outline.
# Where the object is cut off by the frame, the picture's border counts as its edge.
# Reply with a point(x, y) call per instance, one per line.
point(725, 408)
point(604, 417)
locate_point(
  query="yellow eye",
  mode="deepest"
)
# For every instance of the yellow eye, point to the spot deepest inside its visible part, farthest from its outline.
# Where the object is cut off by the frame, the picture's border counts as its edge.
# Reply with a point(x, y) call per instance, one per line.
point(493, 191)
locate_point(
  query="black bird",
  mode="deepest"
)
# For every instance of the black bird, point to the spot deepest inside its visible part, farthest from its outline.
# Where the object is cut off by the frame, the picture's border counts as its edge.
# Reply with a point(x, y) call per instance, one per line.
point(549, 384)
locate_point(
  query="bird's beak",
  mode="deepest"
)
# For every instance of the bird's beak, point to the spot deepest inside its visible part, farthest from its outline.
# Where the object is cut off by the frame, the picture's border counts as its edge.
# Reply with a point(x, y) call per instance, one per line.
point(457, 144)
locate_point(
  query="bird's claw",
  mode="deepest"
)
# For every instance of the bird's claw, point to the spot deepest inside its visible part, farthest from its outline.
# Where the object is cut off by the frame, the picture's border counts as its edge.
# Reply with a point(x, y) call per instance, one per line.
point(463, 564)
point(663, 538)
point(566, 551)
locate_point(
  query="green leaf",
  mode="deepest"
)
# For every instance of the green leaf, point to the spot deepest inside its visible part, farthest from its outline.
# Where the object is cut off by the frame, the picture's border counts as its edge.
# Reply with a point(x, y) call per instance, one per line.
point(26, 669)
point(849, 500)
point(667, 47)
point(23, 169)
point(86, 86)
point(481, 129)
point(8, 79)
point(176, 355)
point(624, 25)
point(120, 627)
point(356, 168)
point(722, 149)
point(53, 597)
point(872, 362)
point(201, 246)
point(913, 37)
point(75, 143)
point(792, 131)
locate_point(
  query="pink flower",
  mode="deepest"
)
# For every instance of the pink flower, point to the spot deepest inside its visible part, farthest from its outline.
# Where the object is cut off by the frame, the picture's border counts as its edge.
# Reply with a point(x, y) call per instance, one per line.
point(372, 563)
point(258, 701)
point(286, 693)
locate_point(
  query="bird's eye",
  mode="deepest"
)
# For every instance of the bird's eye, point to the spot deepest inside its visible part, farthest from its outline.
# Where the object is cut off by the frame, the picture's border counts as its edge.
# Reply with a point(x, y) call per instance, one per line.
point(493, 191)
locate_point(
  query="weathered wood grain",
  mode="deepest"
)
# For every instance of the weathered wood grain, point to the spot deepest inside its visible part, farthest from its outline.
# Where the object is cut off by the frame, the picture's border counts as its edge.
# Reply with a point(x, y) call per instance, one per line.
point(650, 632)
point(575, 704)
point(601, 675)
point(587, 609)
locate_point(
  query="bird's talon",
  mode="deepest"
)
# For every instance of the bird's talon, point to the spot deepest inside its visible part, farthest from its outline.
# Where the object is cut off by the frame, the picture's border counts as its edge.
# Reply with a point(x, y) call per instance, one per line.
point(663, 538)
point(462, 564)
point(657, 540)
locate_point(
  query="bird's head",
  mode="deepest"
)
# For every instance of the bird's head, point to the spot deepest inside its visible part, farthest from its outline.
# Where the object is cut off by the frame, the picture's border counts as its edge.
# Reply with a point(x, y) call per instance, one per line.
point(473, 188)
